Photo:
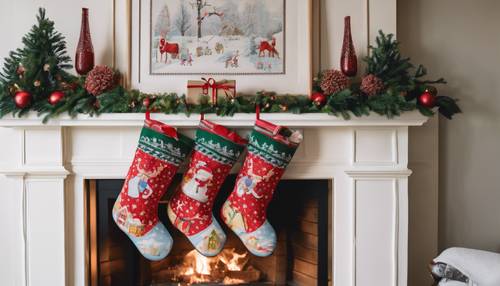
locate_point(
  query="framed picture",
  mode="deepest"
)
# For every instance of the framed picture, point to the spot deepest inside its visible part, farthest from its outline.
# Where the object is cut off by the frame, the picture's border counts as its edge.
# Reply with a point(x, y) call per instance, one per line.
point(262, 44)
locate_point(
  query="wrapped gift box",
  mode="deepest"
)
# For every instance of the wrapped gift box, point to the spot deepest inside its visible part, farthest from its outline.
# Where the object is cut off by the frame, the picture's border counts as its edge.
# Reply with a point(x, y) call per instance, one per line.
point(214, 90)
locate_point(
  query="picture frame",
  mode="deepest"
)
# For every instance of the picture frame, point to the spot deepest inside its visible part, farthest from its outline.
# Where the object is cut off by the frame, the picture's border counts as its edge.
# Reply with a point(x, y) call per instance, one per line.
point(133, 51)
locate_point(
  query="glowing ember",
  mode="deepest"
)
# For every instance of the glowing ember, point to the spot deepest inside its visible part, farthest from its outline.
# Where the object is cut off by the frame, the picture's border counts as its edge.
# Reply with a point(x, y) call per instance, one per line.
point(228, 268)
point(233, 281)
point(233, 260)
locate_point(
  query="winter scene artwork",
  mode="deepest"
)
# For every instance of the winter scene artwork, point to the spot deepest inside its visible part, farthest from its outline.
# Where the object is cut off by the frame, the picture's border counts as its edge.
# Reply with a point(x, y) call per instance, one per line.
point(217, 37)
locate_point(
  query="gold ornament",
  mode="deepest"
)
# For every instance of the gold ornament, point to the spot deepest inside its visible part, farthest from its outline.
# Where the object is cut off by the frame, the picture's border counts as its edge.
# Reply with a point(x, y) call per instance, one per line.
point(46, 67)
point(432, 90)
point(13, 89)
point(37, 83)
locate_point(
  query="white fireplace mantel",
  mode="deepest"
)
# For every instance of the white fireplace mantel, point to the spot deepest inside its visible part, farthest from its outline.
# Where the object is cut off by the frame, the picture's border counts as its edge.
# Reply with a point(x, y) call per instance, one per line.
point(46, 165)
point(238, 120)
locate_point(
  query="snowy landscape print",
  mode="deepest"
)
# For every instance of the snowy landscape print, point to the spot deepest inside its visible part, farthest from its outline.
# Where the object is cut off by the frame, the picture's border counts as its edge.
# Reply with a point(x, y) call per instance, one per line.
point(217, 37)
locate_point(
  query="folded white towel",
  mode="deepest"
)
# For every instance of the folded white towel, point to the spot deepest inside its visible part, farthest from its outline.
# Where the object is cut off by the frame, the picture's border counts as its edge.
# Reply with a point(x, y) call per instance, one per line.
point(482, 267)
point(452, 283)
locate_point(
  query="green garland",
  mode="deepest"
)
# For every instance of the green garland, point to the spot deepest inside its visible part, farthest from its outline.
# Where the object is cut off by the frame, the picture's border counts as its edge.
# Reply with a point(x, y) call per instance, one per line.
point(43, 45)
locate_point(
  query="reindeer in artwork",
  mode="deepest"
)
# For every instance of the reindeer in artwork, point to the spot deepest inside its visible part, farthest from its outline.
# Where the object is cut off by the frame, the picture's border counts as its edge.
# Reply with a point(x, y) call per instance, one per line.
point(166, 48)
point(269, 47)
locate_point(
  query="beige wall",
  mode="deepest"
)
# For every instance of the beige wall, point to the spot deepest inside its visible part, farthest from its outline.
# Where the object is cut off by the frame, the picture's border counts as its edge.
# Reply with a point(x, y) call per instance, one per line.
point(442, 34)
point(460, 40)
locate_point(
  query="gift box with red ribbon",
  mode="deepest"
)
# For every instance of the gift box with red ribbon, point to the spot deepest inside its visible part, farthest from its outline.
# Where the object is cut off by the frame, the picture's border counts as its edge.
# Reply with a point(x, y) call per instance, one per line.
point(214, 90)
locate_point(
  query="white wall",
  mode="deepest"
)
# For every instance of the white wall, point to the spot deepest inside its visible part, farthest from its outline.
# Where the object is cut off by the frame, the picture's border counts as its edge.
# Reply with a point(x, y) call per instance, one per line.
point(17, 17)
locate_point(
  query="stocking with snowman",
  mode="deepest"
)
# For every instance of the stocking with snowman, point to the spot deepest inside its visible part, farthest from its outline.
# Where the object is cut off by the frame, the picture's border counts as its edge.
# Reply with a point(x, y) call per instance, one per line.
point(190, 209)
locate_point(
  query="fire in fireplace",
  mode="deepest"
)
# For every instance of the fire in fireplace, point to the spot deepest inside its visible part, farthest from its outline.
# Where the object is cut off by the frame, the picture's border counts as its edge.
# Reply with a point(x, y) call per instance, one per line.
point(228, 268)
point(300, 213)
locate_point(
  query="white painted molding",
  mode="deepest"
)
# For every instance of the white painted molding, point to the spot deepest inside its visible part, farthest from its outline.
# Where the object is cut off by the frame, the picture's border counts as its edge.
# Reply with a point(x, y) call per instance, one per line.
point(41, 171)
point(379, 173)
point(413, 118)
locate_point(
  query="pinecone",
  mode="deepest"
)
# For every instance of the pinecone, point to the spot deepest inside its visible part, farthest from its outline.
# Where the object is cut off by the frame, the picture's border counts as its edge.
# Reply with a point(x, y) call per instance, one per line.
point(99, 80)
point(333, 81)
point(372, 85)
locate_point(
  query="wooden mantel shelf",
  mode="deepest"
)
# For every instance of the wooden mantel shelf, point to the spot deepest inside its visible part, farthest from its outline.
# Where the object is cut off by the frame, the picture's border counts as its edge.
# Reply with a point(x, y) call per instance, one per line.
point(413, 118)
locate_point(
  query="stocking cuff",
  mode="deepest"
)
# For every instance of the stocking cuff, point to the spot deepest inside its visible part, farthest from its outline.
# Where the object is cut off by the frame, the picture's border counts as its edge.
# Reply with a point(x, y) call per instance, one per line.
point(275, 144)
point(218, 142)
point(164, 142)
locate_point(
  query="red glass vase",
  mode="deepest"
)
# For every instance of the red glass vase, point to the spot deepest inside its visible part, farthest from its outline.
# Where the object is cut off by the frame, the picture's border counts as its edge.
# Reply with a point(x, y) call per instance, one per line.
point(84, 60)
point(348, 60)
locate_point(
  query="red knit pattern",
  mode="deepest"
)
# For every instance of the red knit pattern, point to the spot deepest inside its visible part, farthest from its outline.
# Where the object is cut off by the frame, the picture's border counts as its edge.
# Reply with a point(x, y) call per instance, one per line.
point(194, 216)
point(146, 210)
point(254, 206)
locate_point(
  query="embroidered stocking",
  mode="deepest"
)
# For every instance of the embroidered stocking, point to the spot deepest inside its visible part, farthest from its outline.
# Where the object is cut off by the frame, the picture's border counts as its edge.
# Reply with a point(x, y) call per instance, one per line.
point(190, 209)
point(160, 152)
point(270, 150)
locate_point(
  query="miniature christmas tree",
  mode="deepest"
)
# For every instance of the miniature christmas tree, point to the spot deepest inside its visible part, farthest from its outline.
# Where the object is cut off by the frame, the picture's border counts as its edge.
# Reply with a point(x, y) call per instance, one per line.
point(32, 73)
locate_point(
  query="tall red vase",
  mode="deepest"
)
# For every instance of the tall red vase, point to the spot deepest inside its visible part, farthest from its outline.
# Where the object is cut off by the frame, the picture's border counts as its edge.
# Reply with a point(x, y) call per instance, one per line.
point(84, 60)
point(348, 60)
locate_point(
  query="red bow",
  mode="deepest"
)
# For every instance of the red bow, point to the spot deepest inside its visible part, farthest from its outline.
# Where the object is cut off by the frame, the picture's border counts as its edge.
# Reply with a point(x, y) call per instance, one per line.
point(215, 86)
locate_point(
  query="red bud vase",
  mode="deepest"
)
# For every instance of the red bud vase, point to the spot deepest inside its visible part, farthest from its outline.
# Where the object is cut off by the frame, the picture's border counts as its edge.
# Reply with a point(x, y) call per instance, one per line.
point(348, 59)
point(84, 61)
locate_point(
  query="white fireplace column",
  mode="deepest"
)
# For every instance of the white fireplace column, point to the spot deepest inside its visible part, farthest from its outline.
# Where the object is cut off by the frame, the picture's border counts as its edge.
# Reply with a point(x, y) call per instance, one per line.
point(32, 160)
point(46, 165)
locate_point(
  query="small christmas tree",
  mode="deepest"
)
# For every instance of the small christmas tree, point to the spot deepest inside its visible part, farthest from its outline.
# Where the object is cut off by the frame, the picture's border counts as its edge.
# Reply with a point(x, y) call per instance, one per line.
point(36, 70)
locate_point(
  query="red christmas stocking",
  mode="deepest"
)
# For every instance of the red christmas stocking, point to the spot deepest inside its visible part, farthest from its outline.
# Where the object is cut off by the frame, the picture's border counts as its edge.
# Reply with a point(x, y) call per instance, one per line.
point(190, 209)
point(160, 152)
point(270, 150)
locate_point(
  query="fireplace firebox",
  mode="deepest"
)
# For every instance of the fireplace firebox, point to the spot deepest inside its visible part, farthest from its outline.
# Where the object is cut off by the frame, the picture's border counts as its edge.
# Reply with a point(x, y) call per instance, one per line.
point(300, 212)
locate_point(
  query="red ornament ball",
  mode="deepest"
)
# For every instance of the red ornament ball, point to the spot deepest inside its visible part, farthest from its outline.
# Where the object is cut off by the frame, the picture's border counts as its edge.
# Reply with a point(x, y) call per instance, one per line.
point(22, 99)
point(56, 97)
point(318, 98)
point(427, 99)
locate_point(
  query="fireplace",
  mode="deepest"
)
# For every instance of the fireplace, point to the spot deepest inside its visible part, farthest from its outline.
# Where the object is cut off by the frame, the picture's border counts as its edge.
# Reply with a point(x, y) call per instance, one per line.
point(365, 160)
point(299, 212)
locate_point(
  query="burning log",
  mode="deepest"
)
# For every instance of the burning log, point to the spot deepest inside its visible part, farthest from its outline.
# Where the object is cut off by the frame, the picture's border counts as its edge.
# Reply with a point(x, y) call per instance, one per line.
point(243, 276)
